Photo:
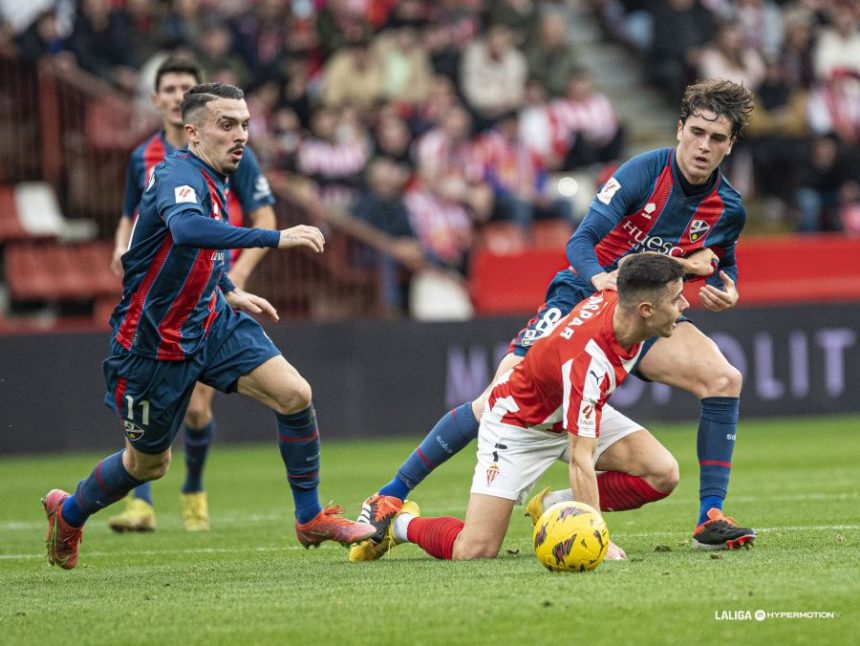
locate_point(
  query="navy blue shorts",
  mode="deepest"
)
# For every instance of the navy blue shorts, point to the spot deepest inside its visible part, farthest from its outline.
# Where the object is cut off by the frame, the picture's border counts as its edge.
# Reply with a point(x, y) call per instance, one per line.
point(151, 396)
point(563, 293)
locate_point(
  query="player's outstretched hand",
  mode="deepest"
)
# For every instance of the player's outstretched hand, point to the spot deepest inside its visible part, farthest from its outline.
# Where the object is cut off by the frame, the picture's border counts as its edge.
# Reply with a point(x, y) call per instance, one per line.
point(303, 235)
point(239, 299)
point(605, 280)
point(614, 553)
point(717, 300)
point(700, 263)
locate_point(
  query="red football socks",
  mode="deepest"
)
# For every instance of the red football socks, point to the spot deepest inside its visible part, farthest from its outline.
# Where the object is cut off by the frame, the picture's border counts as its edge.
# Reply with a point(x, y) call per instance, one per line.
point(619, 491)
point(435, 536)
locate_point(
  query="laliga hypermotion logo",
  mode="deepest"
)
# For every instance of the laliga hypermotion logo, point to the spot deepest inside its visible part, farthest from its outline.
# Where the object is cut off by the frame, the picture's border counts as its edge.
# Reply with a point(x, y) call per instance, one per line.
point(492, 472)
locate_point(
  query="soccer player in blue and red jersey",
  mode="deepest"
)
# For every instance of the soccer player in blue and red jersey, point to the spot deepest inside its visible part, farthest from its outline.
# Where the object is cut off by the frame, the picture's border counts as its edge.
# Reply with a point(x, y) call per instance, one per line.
point(249, 193)
point(674, 201)
point(181, 320)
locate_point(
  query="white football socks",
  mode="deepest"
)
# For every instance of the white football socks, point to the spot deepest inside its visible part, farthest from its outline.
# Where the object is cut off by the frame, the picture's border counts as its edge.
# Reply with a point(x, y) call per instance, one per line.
point(401, 525)
point(554, 497)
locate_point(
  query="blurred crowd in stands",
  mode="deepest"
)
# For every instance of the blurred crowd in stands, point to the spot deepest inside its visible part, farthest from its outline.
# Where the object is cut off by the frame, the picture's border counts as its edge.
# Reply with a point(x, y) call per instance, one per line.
point(430, 119)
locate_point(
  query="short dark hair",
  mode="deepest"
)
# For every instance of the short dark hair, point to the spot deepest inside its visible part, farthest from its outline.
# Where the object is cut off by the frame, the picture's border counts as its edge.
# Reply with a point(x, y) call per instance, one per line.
point(200, 95)
point(724, 98)
point(643, 275)
point(177, 66)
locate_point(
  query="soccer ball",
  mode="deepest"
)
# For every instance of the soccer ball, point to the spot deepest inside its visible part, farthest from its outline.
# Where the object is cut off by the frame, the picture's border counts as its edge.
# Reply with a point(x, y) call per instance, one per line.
point(570, 537)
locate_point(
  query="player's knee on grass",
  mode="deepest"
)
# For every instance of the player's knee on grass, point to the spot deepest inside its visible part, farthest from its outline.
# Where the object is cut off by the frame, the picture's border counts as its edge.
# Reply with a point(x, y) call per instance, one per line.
point(468, 547)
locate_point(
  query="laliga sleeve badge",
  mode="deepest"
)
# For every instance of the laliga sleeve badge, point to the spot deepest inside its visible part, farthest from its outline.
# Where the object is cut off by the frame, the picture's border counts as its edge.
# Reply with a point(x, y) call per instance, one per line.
point(185, 193)
point(609, 190)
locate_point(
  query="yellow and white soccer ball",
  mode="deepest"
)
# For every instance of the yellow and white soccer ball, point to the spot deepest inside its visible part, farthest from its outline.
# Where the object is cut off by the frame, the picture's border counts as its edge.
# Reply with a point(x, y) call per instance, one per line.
point(570, 537)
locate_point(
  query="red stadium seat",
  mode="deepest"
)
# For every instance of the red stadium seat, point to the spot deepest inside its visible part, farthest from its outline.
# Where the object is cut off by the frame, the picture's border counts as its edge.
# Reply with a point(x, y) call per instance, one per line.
point(10, 225)
point(56, 272)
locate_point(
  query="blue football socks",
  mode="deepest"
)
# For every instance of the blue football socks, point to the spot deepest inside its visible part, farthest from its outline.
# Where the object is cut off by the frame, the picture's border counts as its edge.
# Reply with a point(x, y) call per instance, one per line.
point(450, 435)
point(299, 442)
point(716, 441)
point(197, 443)
point(107, 483)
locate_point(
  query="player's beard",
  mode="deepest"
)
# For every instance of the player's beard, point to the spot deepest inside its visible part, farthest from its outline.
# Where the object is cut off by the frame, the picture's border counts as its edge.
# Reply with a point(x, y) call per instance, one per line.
point(231, 164)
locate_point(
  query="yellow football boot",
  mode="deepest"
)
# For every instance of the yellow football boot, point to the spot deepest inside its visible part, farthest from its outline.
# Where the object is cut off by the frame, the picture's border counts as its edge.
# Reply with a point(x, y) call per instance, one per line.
point(195, 511)
point(139, 516)
point(372, 549)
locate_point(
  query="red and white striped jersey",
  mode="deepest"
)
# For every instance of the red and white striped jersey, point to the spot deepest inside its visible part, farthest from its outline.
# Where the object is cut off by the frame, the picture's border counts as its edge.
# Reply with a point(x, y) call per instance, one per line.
point(593, 117)
point(568, 374)
point(436, 155)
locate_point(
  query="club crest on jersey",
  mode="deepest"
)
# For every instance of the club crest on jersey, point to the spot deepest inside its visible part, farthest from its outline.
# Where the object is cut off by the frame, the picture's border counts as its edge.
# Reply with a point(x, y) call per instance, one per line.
point(132, 430)
point(609, 190)
point(185, 193)
point(649, 210)
point(698, 228)
point(492, 472)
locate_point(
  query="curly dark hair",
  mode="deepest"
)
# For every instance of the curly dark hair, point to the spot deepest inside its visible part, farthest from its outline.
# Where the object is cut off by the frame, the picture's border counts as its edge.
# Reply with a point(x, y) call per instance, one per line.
point(723, 98)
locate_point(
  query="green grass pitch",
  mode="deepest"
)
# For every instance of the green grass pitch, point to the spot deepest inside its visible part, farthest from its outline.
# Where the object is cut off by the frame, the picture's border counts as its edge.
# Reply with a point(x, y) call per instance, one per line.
point(249, 582)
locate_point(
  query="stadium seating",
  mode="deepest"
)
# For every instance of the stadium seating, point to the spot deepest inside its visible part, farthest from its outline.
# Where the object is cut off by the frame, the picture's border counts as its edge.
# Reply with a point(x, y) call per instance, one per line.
point(55, 272)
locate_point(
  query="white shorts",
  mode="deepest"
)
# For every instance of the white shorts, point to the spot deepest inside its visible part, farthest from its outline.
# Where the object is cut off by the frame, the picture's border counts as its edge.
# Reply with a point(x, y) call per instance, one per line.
point(511, 459)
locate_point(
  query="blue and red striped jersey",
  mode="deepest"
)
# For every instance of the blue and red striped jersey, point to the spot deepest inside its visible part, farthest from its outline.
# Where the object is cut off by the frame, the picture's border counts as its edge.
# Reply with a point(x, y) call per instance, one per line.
point(169, 290)
point(644, 207)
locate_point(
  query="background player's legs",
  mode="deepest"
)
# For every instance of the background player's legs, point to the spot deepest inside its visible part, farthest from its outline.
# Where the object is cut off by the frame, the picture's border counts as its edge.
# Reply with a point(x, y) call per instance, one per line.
point(451, 434)
point(199, 429)
point(691, 361)
point(279, 386)
point(480, 536)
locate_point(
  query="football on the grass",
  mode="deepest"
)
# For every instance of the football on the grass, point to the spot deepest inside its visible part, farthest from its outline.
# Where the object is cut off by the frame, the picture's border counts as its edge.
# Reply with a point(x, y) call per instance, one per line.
point(570, 537)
